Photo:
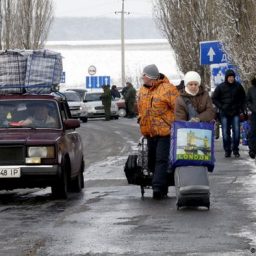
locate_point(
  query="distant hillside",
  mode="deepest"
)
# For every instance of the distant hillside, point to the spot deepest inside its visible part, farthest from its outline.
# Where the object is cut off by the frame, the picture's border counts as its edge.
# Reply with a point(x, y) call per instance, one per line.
point(73, 29)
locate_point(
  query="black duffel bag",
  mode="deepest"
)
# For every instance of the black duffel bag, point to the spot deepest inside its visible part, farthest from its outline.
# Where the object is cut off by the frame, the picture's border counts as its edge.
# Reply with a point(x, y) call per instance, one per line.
point(133, 172)
point(136, 176)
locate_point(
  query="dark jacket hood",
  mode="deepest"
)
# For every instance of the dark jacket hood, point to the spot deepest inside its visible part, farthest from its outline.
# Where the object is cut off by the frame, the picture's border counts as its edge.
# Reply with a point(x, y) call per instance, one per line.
point(253, 81)
point(228, 73)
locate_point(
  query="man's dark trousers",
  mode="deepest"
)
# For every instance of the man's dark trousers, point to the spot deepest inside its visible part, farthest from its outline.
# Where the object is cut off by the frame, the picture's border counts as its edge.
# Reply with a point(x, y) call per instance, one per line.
point(158, 160)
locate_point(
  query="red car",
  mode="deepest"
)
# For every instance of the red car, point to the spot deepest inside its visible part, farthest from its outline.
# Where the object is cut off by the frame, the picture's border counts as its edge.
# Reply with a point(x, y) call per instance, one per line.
point(39, 154)
point(122, 107)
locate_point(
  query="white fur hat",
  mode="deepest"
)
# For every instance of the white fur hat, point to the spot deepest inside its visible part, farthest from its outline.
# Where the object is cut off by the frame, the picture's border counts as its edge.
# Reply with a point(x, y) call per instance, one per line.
point(192, 76)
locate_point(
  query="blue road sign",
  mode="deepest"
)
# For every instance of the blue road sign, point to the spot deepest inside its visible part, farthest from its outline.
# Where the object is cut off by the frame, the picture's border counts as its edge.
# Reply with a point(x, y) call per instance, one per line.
point(211, 52)
point(96, 81)
point(218, 73)
point(63, 77)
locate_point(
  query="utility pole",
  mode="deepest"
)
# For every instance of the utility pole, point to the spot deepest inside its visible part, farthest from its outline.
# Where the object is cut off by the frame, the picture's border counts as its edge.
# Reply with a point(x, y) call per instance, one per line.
point(122, 42)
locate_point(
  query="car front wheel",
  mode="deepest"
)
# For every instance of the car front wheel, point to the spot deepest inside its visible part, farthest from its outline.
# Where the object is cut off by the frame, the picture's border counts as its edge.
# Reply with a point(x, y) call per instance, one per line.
point(78, 183)
point(84, 119)
point(60, 188)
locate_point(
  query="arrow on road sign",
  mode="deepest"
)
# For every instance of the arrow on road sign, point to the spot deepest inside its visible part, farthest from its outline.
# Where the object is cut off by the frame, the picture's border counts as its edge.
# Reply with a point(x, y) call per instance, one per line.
point(211, 54)
point(97, 81)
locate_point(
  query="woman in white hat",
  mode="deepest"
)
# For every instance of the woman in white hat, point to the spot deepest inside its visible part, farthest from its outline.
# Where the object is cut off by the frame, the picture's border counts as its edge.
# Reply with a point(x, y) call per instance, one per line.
point(194, 103)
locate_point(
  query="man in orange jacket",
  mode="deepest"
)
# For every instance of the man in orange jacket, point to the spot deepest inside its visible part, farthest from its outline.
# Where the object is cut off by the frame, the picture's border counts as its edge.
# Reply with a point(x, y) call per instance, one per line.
point(156, 103)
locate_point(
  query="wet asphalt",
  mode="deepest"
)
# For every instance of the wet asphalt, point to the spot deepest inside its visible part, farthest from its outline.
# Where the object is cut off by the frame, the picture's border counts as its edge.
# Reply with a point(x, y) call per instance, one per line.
point(110, 218)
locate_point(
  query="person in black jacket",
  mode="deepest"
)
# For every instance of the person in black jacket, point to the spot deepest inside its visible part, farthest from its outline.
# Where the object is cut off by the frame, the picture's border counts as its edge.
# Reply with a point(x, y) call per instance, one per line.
point(229, 98)
point(114, 92)
point(251, 103)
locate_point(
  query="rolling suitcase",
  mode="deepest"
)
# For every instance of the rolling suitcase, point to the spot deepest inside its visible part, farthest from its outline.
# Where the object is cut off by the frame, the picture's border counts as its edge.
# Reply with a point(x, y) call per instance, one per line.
point(192, 186)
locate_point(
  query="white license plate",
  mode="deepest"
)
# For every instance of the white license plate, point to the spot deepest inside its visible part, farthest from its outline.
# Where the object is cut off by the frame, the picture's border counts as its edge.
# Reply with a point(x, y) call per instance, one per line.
point(9, 172)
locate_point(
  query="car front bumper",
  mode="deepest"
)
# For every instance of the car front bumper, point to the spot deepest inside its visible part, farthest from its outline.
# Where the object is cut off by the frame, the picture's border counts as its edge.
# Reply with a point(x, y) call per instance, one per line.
point(31, 176)
point(78, 114)
point(101, 114)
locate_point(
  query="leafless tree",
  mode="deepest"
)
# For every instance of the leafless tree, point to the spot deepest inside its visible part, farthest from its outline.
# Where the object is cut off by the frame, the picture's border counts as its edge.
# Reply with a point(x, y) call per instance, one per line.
point(185, 23)
point(26, 23)
point(7, 10)
point(238, 34)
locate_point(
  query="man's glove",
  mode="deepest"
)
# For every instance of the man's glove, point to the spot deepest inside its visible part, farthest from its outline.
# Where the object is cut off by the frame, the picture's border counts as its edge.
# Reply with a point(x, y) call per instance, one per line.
point(194, 119)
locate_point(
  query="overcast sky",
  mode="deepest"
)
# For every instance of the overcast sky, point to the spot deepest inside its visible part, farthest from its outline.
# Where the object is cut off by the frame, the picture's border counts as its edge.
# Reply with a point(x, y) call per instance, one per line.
point(94, 8)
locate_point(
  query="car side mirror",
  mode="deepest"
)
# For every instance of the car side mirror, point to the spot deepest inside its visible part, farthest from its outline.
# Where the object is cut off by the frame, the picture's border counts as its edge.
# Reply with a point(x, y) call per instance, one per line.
point(71, 124)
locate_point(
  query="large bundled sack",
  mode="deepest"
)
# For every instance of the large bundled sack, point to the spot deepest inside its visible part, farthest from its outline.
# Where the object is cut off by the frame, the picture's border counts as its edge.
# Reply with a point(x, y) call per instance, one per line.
point(44, 70)
point(244, 132)
point(12, 71)
point(192, 144)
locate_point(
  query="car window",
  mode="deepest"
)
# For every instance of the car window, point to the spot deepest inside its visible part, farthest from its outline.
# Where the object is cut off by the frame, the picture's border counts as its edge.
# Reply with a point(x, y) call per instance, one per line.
point(92, 97)
point(81, 92)
point(65, 112)
point(29, 113)
point(72, 96)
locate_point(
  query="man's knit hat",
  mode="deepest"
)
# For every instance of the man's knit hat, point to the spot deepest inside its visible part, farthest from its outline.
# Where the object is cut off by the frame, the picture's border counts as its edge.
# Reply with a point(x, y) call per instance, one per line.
point(230, 72)
point(192, 76)
point(151, 71)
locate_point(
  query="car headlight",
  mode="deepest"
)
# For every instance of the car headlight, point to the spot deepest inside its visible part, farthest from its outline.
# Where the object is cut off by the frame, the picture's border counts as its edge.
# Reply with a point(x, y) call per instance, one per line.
point(42, 152)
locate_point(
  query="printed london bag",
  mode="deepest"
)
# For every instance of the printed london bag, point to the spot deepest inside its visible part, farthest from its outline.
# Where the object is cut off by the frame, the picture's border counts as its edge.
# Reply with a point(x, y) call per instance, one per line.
point(192, 144)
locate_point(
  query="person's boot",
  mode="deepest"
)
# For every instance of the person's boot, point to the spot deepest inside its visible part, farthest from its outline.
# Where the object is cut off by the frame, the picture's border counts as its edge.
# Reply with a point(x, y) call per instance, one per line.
point(252, 154)
point(227, 154)
point(157, 194)
point(236, 154)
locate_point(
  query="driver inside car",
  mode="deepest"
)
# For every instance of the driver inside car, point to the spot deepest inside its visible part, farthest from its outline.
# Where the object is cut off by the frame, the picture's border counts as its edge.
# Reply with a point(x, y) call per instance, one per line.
point(39, 117)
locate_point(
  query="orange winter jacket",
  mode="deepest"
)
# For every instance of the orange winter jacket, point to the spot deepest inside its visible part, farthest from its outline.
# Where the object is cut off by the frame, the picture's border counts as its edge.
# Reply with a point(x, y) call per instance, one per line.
point(156, 106)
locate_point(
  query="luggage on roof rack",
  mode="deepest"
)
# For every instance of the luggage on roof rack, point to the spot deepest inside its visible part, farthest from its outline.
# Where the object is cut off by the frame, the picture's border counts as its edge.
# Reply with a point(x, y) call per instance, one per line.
point(32, 71)
point(12, 71)
point(44, 70)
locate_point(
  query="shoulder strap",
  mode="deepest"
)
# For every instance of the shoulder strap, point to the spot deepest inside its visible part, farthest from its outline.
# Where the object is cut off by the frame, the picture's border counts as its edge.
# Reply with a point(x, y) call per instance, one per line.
point(186, 100)
point(191, 110)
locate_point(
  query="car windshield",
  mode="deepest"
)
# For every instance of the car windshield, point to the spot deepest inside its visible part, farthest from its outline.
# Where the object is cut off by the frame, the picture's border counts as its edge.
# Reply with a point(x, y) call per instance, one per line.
point(29, 113)
point(72, 96)
point(81, 92)
point(92, 97)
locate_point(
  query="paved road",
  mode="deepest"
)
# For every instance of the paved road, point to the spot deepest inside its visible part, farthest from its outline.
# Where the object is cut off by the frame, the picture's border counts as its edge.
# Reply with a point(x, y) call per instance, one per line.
point(109, 218)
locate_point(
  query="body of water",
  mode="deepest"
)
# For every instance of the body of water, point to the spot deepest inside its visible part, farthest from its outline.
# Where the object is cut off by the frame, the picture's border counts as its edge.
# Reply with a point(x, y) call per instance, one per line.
point(106, 57)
